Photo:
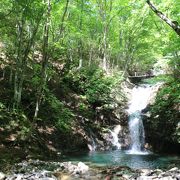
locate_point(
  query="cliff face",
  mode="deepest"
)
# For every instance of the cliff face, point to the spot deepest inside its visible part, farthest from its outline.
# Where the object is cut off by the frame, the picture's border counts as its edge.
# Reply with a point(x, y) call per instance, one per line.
point(97, 130)
point(161, 120)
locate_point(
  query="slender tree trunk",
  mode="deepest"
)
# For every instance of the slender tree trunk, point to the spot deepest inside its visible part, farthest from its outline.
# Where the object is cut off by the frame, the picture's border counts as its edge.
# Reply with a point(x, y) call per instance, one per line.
point(20, 30)
point(11, 75)
point(128, 56)
point(90, 56)
point(40, 91)
point(21, 61)
point(173, 24)
point(63, 18)
point(176, 70)
point(105, 6)
point(3, 73)
point(105, 49)
point(80, 46)
point(70, 55)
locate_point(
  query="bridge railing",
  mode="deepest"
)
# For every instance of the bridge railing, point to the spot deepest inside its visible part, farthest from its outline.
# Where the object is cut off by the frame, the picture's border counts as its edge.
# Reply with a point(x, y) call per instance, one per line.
point(139, 74)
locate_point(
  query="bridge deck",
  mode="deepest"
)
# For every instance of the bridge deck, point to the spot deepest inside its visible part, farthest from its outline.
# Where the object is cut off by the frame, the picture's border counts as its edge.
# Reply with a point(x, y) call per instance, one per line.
point(142, 76)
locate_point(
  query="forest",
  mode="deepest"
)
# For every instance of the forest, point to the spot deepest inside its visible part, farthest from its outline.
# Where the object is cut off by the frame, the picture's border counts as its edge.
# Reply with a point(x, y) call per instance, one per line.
point(68, 71)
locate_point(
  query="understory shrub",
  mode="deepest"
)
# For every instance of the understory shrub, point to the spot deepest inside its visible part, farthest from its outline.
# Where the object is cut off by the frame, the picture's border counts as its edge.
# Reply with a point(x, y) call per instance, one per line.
point(166, 112)
point(93, 83)
point(55, 112)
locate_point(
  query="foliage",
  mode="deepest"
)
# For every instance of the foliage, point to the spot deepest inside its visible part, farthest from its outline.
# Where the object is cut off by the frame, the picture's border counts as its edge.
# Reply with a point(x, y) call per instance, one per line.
point(93, 84)
point(14, 124)
point(54, 112)
point(121, 35)
point(78, 46)
point(159, 79)
point(165, 112)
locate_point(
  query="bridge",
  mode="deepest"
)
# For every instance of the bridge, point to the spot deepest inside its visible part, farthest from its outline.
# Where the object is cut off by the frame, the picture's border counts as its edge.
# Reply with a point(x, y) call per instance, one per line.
point(138, 78)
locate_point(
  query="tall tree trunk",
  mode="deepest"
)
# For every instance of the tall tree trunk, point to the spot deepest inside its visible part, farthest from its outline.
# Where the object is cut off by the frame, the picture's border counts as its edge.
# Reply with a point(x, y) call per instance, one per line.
point(18, 72)
point(173, 24)
point(80, 46)
point(103, 14)
point(105, 8)
point(43, 78)
point(63, 18)
point(22, 55)
point(105, 48)
point(11, 75)
point(90, 56)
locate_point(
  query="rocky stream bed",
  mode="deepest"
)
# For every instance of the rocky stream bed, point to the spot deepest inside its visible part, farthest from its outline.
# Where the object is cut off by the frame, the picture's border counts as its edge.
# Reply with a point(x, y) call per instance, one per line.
point(36, 169)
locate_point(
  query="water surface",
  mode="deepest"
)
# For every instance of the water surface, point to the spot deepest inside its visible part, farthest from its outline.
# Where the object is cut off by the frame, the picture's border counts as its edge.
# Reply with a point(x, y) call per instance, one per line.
point(123, 158)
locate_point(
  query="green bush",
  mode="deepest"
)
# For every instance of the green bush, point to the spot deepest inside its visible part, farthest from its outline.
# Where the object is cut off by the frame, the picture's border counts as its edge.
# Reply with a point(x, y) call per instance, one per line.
point(15, 122)
point(92, 83)
point(165, 112)
point(54, 111)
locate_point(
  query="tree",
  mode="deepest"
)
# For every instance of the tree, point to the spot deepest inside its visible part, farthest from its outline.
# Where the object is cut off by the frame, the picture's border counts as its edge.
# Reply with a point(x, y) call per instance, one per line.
point(43, 78)
point(173, 24)
point(114, 35)
point(23, 19)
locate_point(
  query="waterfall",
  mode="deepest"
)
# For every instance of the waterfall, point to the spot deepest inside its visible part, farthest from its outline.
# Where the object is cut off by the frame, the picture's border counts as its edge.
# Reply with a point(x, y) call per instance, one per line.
point(114, 135)
point(136, 133)
point(92, 146)
point(141, 96)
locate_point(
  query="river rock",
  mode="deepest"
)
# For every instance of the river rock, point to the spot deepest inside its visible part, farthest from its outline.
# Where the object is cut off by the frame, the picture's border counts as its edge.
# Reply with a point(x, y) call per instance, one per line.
point(35, 170)
point(82, 168)
point(69, 167)
point(147, 178)
point(145, 172)
point(178, 177)
point(62, 176)
point(2, 176)
point(117, 129)
point(126, 176)
point(157, 171)
point(173, 169)
point(167, 178)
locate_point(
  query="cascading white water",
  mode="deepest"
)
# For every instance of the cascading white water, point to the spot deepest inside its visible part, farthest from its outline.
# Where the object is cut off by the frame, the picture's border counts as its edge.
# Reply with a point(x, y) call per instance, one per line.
point(137, 133)
point(140, 99)
point(115, 139)
point(92, 146)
